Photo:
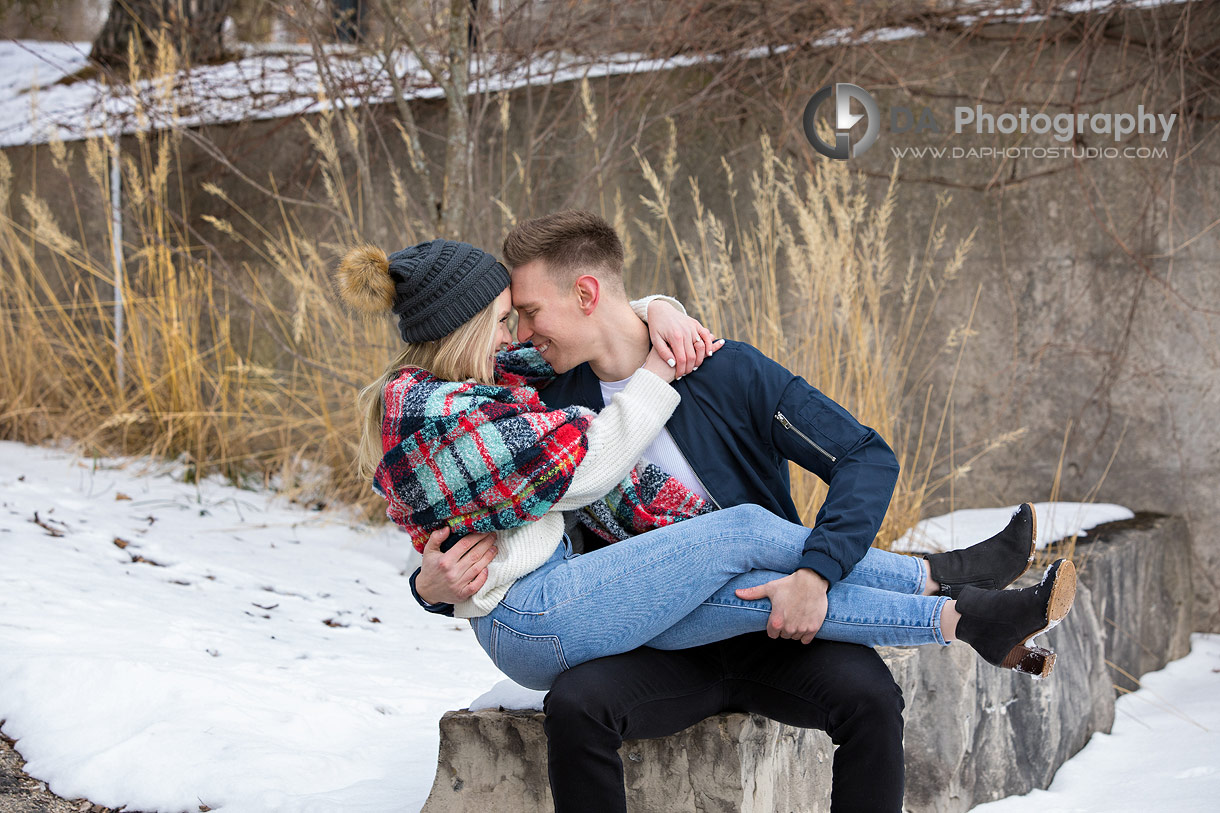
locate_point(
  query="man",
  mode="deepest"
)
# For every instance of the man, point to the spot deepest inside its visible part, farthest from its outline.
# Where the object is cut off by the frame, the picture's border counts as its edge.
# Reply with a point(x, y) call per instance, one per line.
point(742, 418)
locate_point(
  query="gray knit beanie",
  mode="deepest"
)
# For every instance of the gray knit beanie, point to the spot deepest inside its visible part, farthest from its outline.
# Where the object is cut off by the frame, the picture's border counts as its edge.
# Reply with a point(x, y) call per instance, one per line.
point(439, 285)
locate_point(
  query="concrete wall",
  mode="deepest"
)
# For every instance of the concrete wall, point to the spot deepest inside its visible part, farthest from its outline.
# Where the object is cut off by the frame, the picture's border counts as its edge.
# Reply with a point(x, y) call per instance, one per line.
point(1099, 296)
point(73, 20)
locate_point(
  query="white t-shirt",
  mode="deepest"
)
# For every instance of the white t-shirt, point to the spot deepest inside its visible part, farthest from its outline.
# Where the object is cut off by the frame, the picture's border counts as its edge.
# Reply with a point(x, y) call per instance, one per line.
point(662, 452)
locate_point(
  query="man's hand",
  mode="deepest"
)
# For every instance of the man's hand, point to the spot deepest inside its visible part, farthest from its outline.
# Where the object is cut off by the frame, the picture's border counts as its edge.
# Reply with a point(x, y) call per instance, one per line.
point(681, 341)
point(798, 604)
point(456, 574)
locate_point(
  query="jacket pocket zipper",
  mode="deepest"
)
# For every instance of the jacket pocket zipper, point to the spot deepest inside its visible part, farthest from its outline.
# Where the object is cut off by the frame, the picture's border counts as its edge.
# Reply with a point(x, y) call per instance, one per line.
point(779, 416)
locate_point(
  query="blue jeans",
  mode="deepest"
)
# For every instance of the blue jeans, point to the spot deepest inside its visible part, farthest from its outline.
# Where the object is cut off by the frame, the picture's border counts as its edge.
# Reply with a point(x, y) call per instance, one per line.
point(672, 588)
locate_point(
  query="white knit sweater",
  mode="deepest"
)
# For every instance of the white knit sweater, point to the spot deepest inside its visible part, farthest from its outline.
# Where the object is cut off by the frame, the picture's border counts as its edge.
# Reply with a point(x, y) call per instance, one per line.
point(617, 438)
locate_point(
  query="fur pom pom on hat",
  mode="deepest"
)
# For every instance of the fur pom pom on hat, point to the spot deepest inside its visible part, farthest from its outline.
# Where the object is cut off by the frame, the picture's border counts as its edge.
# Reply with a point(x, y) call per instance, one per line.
point(364, 280)
point(434, 287)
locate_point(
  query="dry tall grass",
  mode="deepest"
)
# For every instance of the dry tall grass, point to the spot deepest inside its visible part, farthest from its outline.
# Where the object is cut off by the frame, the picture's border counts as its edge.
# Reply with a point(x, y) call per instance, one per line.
point(245, 370)
point(251, 369)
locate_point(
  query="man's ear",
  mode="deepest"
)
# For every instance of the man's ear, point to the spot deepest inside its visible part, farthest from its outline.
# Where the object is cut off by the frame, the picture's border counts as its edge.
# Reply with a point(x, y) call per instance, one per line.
point(588, 293)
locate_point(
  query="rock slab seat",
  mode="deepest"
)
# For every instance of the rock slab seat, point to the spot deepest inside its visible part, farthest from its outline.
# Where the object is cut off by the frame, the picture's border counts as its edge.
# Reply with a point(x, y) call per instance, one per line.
point(973, 732)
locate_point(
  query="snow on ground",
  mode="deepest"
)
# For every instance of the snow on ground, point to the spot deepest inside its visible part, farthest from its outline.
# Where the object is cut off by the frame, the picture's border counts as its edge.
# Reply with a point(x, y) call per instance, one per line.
point(960, 529)
point(1163, 753)
point(283, 80)
point(272, 659)
point(165, 645)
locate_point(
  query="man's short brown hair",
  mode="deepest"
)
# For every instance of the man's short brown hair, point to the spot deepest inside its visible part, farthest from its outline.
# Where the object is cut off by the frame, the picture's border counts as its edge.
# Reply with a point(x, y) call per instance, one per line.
point(567, 242)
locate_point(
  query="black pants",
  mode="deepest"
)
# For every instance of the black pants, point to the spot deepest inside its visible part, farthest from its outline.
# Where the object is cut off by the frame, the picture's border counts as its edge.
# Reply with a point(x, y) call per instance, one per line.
point(845, 690)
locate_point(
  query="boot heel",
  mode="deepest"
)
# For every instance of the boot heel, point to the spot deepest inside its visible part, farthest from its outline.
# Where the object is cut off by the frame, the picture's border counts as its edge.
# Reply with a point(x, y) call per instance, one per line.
point(1029, 660)
point(1063, 593)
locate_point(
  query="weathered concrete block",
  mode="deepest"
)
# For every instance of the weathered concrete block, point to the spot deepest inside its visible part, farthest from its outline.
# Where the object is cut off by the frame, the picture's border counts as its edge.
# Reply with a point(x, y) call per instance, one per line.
point(1139, 573)
point(496, 760)
point(973, 732)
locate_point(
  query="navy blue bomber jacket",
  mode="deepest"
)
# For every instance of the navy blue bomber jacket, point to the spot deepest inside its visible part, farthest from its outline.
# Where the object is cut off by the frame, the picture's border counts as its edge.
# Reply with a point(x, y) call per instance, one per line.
point(741, 419)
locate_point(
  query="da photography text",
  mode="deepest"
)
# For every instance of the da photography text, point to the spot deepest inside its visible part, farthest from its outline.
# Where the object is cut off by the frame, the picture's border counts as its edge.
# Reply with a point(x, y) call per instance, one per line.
point(1062, 127)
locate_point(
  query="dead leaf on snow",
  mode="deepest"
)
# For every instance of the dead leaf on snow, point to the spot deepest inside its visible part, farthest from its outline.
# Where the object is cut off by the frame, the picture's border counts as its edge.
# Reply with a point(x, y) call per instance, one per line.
point(41, 524)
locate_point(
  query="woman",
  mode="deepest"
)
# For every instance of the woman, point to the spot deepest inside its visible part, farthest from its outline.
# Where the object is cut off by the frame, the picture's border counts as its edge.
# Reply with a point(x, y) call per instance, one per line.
point(454, 437)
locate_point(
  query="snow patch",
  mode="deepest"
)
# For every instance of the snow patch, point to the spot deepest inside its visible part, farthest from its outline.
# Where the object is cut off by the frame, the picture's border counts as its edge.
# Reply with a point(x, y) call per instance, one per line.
point(962, 528)
point(508, 695)
point(180, 644)
point(1163, 752)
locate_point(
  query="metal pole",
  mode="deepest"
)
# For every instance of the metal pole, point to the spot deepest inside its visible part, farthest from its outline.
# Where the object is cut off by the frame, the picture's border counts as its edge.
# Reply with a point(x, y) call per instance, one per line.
point(116, 225)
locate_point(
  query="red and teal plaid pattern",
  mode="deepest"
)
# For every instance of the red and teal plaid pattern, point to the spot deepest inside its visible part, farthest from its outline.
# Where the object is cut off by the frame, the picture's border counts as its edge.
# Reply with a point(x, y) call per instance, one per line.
point(647, 498)
point(480, 457)
point(521, 365)
point(473, 456)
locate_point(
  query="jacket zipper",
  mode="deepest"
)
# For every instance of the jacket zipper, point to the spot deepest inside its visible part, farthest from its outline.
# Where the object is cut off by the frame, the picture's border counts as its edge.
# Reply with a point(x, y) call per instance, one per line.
point(779, 416)
point(698, 479)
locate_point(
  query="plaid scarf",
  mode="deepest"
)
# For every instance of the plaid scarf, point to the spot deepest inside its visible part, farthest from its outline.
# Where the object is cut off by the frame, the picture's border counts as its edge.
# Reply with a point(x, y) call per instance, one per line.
point(479, 457)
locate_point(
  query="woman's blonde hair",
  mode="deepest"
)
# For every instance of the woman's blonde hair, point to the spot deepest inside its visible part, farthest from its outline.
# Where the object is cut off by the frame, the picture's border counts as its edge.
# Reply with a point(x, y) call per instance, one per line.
point(365, 284)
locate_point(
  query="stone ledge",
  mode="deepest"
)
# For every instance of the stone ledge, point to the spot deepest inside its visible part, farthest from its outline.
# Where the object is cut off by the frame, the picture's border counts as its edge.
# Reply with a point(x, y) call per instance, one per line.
point(1141, 592)
point(973, 732)
point(725, 764)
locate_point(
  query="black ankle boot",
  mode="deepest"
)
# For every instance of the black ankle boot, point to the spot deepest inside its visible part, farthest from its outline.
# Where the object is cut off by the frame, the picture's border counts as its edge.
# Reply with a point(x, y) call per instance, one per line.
point(992, 564)
point(1000, 623)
